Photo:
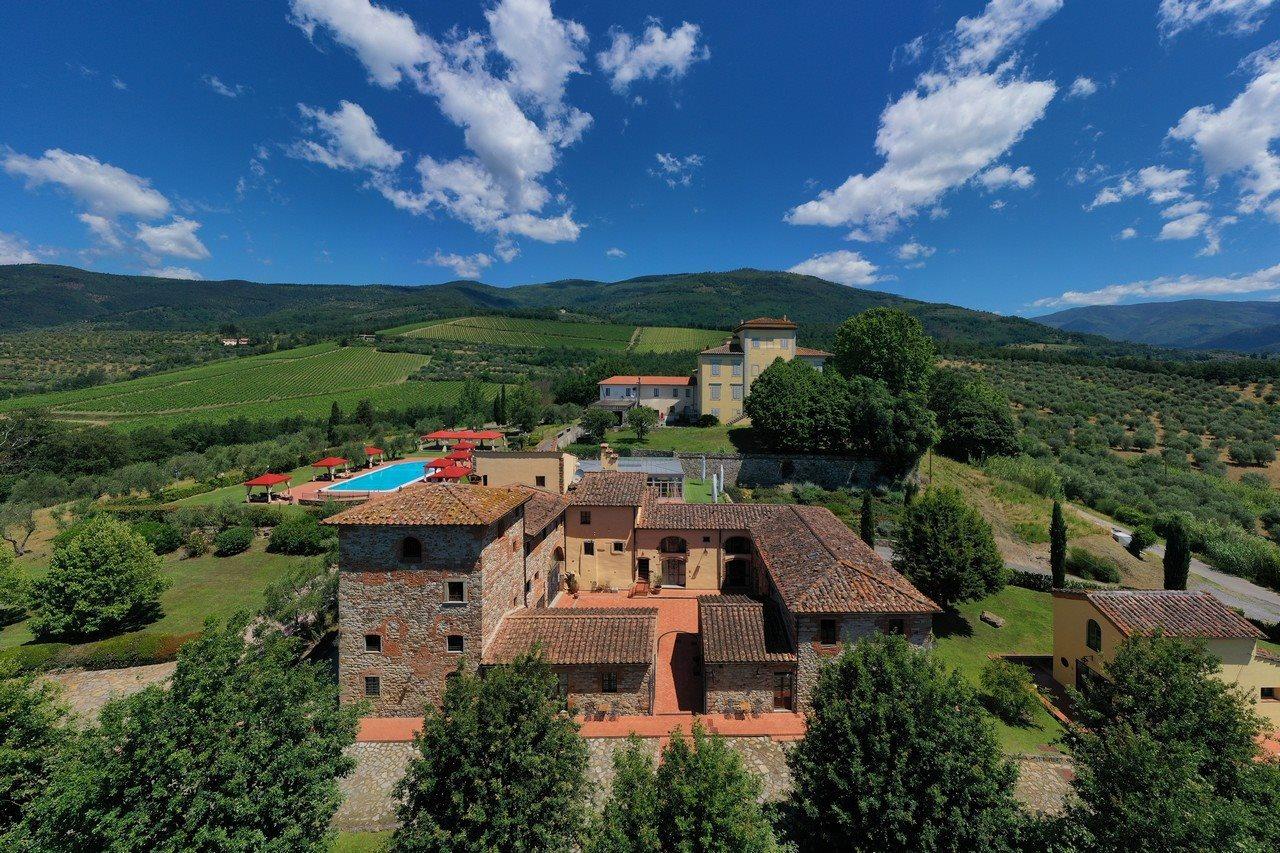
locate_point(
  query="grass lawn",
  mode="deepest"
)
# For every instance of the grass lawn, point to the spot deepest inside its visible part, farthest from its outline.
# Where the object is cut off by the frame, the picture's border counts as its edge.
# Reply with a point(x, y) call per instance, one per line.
point(361, 842)
point(201, 587)
point(1028, 629)
point(716, 439)
point(698, 491)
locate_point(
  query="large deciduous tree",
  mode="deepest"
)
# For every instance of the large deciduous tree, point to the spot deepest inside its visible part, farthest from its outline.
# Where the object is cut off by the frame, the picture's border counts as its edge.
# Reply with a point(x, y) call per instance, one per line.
point(642, 420)
point(899, 755)
point(974, 419)
point(525, 407)
point(597, 422)
point(947, 549)
point(32, 734)
point(242, 752)
point(887, 345)
point(499, 767)
point(1167, 758)
point(104, 577)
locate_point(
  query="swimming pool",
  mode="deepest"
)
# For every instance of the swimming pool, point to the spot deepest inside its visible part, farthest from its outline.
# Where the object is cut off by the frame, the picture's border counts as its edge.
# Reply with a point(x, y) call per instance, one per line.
point(386, 479)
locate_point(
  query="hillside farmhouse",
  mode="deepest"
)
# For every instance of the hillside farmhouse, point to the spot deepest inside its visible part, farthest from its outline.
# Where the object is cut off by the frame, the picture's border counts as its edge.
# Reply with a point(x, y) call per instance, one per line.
point(435, 577)
point(1088, 627)
point(723, 379)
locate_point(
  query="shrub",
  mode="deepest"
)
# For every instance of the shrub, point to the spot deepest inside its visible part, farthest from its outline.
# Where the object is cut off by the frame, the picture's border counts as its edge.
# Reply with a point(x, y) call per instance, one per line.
point(708, 421)
point(302, 536)
point(233, 540)
point(1006, 690)
point(1090, 566)
point(12, 589)
point(947, 549)
point(163, 537)
point(196, 543)
point(103, 579)
point(1143, 538)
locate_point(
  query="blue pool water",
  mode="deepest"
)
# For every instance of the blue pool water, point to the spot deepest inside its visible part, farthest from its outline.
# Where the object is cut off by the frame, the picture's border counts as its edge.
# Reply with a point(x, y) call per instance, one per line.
point(386, 479)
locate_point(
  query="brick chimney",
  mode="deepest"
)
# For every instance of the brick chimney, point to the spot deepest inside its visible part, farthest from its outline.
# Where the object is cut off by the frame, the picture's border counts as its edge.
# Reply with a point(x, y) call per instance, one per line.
point(608, 458)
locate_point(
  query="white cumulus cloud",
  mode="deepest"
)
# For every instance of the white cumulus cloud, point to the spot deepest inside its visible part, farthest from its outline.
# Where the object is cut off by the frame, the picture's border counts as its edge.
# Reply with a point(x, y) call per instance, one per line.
point(463, 266)
point(1127, 233)
point(981, 40)
point(350, 140)
point(233, 90)
point(614, 252)
point(656, 53)
point(104, 189)
point(676, 171)
point(386, 42)
point(914, 250)
point(173, 272)
point(1159, 184)
point(104, 230)
point(1002, 176)
point(1238, 16)
point(177, 238)
point(840, 266)
point(1170, 287)
point(15, 250)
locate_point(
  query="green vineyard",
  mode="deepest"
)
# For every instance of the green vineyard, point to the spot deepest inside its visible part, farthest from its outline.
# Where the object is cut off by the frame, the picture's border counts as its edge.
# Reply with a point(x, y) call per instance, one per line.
point(522, 332)
point(303, 382)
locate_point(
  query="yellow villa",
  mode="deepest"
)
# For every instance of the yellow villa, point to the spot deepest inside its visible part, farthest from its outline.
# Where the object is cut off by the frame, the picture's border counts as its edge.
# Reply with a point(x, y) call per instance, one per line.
point(1088, 627)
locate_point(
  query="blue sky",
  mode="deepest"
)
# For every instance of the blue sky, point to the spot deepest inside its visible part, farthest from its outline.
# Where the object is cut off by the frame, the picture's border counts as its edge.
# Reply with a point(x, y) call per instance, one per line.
point(1012, 155)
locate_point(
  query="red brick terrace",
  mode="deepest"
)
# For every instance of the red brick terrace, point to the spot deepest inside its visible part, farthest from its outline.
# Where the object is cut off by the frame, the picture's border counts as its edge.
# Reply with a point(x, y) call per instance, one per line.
point(677, 691)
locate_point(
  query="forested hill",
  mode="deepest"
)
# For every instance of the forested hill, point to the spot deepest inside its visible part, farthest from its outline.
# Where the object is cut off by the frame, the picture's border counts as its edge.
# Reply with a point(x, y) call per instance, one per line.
point(1243, 326)
point(41, 295)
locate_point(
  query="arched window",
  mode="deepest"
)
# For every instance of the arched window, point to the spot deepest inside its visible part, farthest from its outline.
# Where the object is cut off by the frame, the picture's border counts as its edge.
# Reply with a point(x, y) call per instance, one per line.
point(1093, 635)
point(673, 545)
point(737, 545)
point(410, 550)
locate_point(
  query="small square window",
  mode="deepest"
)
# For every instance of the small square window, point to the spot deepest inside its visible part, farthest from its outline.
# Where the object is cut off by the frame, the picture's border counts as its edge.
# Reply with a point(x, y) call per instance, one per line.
point(372, 685)
point(540, 481)
point(373, 642)
point(609, 682)
point(584, 517)
point(589, 548)
point(1268, 694)
point(454, 644)
point(617, 547)
point(484, 479)
point(896, 626)
point(828, 632)
point(455, 592)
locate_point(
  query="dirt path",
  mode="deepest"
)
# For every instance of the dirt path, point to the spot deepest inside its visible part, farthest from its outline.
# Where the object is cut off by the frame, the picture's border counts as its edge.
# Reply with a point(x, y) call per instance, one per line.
point(86, 691)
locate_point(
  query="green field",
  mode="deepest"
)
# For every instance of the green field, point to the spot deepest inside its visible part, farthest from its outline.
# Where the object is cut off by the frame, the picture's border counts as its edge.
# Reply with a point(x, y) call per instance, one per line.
point(520, 332)
point(673, 339)
point(303, 382)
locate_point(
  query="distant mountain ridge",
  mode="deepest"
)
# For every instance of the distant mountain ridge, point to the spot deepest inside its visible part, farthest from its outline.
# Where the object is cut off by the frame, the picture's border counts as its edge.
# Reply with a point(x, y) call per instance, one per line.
point(36, 296)
point(1240, 326)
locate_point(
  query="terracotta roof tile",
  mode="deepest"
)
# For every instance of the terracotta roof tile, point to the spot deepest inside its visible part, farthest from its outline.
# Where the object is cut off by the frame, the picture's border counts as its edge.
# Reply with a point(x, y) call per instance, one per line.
point(738, 629)
point(609, 488)
point(682, 516)
point(648, 380)
point(812, 353)
point(1177, 613)
point(819, 565)
point(542, 509)
point(578, 635)
point(431, 504)
point(726, 348)
point(766, 323)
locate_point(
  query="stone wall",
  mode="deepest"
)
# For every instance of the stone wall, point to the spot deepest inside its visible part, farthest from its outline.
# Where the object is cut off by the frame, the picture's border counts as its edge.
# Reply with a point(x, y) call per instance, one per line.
point(405, 605)
point(773, 469)
point(634, 687)
point(541, 567)
point(812, 654)
point(729, 685)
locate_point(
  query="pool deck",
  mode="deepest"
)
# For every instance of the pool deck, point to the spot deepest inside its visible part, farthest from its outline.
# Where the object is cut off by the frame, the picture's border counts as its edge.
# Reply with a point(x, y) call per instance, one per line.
point(313, 491)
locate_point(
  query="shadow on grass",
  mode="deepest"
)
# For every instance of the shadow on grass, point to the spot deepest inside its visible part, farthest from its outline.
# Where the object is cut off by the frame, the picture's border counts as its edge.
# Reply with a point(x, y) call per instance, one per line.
point(951, 623)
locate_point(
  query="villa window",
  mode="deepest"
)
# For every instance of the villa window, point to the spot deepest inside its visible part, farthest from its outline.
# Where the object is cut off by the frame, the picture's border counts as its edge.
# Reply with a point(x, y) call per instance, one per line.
point(589, 548)
point(617, 547)
point(896, 626)
point(715, 368)
point(786, 343)
point(1268, 694)
point(737, 392)
point(737, 368)
point(373, 642)
point(609, 682)
point(454, 644)
point(455, 592)
point(607, 392)
point(715, 392)
point(1093, 635)
point(828, 632)
point(372, 685)
point(540, 481)
point(755, 343)
point(411, 550)
point(584, 517)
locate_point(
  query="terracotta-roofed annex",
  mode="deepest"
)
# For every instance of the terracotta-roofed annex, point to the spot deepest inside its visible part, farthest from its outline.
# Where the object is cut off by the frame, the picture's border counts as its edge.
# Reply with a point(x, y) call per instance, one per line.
point(542, 509)
point(724, 349)
point(430, 504)
point(566, 635)
point(766, 323)
point(812, 353)
point(819, 565)
point(740, 629)
point(609, 488)
point(1176, 613)
point(648, 380)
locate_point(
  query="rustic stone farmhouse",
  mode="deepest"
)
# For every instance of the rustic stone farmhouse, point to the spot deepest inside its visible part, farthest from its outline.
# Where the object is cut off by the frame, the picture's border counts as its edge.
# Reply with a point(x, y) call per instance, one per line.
point(438, 576)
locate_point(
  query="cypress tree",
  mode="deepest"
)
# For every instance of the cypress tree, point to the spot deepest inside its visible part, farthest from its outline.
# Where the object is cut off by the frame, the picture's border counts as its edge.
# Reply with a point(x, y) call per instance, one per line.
point(1058, 547)
point(867, 523)
point(1177, 556)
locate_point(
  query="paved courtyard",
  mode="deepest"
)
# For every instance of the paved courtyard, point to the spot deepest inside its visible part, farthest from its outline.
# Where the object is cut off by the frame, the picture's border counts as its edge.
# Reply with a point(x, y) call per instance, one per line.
point(86, 691)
